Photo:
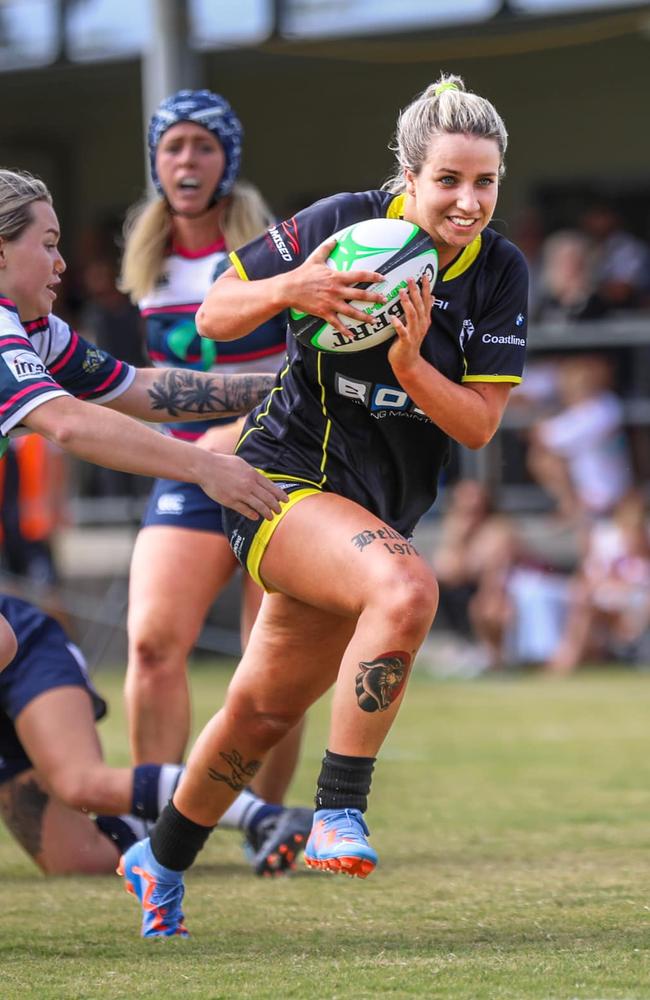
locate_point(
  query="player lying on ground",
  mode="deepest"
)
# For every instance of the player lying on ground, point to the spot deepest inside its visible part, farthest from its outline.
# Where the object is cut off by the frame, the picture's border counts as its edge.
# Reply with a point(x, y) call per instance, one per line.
point(52, 773)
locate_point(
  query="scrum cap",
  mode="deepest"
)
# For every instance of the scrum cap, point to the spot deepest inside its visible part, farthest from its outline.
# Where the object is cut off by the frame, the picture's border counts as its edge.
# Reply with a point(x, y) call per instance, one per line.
point(213, 113)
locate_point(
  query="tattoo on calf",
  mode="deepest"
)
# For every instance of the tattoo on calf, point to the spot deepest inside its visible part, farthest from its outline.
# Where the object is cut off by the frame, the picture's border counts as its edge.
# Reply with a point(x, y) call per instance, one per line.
point(380, 681)
point(179, 392)
point(22, 808)
point(241, 773)
point(399, 546)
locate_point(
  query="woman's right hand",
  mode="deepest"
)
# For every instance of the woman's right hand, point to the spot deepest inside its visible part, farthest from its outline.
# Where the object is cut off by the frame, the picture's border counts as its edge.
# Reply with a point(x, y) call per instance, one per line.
point(319, 290)
point(234, 483)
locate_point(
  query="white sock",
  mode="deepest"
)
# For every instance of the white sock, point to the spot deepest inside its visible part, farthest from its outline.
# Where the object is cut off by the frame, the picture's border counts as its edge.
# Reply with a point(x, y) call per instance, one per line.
point(170, 775)
point(239, 815)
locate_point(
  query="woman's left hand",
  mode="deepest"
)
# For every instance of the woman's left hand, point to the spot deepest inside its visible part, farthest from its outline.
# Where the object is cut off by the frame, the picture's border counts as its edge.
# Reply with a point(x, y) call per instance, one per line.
point(411, 331)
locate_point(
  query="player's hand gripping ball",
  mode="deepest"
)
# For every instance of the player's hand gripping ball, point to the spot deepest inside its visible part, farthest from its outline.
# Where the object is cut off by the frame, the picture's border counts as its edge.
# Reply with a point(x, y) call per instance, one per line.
point(397, 249)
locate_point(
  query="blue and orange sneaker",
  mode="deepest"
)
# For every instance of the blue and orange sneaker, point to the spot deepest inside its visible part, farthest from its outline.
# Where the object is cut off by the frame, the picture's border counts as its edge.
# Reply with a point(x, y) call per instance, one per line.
point(159, 889)
point(337, 843)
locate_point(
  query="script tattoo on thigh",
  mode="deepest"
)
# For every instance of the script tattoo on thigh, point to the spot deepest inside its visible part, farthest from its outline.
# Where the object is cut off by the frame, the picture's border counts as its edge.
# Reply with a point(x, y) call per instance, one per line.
point(392, 541)
point(241, 773)
point(22, 806)
point(380, 681)
point(177, 392)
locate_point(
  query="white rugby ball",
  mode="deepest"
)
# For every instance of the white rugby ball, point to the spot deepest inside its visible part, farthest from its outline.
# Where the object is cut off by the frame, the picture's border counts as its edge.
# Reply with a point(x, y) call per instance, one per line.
point(397, 249)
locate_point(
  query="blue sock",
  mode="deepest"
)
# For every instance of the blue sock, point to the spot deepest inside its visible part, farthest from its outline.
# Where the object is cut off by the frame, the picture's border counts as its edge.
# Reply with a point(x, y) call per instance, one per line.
point(145, 791)
point(262, 816)
point(122, 830)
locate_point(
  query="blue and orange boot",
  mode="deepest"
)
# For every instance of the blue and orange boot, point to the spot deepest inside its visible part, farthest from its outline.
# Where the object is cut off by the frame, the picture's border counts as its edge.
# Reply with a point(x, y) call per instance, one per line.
point(159, 889)
point(337, 843)
point(275, 845)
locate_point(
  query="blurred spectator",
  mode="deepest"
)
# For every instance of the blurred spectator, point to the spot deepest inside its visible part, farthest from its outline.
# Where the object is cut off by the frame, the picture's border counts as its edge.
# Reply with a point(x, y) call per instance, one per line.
point(528, 235)
point(619, 262)
point(519, 609)
point(580, 456)
point(459, 554)
point(108, 318)
point(32, 503)
point(609, 611)
point(564, 284)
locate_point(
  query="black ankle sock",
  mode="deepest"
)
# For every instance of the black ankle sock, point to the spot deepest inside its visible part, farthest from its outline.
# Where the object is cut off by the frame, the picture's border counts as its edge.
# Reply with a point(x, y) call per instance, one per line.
point(344, 782)
point(176, 840)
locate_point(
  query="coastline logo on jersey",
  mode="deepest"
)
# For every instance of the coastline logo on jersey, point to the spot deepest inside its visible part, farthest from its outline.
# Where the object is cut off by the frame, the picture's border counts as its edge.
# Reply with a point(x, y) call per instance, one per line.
point(24, 365)
point(397, 249)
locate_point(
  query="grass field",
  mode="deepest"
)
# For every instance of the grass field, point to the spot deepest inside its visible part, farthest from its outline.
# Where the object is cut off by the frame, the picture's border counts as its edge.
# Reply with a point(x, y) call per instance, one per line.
point(512, 818)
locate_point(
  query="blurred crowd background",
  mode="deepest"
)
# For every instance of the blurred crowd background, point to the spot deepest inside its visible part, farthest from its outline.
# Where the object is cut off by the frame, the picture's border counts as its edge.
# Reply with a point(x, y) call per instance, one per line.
point(540, 542)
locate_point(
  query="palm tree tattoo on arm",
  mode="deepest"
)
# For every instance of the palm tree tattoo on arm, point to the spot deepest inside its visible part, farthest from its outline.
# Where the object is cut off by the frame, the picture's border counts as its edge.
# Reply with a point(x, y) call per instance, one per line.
point(178, 391)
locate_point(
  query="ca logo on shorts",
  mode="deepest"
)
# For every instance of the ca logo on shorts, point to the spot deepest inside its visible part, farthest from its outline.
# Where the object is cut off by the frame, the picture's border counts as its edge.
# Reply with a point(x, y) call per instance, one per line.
point(170, 503)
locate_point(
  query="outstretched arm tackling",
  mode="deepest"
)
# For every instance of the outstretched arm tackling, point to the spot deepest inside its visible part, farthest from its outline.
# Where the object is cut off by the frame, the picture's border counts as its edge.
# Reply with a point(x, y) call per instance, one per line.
point(163, 394)
point(98, 434)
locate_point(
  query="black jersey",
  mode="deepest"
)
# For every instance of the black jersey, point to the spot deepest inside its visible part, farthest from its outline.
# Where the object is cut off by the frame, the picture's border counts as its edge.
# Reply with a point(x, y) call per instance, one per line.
point(344, 423)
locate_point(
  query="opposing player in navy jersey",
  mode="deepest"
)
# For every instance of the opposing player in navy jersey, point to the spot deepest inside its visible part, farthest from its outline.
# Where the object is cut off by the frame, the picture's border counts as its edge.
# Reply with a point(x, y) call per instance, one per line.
point(358, 441)
point(177, 242)
point(49, 374)
point(52, 772)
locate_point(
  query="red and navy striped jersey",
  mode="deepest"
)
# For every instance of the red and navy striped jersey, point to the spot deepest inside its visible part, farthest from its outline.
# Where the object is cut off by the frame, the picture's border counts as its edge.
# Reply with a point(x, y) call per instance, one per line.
point(172, 338)
point(343, 422)
point(44, 359)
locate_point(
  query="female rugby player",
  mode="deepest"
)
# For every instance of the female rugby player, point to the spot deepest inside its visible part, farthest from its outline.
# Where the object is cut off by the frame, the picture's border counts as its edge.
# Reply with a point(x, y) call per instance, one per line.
point(348, 600)
point(176, 244)
point(50, 374)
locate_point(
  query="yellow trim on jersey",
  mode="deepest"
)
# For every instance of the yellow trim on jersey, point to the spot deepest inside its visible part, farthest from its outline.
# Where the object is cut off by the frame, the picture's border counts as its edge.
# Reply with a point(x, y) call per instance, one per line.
point(257, 426)
point(328, 422)
point(491, 378)
point(265, 533)
point(280, 477)
point(395, 209)
point(465, 261)
point(238, 266)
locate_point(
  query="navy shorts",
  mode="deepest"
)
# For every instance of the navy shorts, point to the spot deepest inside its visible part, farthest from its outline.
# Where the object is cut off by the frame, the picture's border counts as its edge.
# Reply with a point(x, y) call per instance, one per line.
point(182, 505)
point(46, 659)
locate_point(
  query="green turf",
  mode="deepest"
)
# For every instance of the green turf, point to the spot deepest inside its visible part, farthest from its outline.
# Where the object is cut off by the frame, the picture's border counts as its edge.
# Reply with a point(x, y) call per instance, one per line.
point(512, 818)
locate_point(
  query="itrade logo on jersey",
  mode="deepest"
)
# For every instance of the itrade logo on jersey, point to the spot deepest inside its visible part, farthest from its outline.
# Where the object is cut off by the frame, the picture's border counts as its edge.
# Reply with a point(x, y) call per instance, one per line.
point(24, 365)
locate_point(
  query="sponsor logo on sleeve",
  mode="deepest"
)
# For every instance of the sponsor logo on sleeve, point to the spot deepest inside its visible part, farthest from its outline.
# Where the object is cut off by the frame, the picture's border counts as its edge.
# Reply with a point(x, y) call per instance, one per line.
point(94, 360)
point(25, 365)
point(279, 244)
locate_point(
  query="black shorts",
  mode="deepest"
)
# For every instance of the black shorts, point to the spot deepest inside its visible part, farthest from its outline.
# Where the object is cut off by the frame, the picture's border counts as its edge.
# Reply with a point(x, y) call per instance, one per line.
point(249, 539)
point(182, 505)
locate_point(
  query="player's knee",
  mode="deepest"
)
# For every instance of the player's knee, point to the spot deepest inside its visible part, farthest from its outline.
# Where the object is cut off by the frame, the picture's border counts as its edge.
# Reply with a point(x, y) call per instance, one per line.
point(72, 788)
point(8, 643)
point(260, 723)
point(157, 651)
point(408, 599)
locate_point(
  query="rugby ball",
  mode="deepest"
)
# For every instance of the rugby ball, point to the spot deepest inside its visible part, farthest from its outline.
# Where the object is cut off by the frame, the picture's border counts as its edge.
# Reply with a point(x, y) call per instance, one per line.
point(397, 249)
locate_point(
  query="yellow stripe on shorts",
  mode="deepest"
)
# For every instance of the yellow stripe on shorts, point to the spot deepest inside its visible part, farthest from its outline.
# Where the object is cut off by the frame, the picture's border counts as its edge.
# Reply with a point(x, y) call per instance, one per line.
point(265, 533)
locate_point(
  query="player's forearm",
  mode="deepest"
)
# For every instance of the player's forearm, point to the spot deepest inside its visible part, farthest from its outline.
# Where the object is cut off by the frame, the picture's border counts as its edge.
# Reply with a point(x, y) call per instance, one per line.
point(458, 410)
point(164, 394)
point(234, 307)
point(97, 434)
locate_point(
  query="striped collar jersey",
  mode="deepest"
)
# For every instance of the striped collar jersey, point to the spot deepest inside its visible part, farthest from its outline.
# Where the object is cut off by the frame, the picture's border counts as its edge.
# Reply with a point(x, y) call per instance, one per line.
point(343, 422)
point(43, 359)
point(171, 335)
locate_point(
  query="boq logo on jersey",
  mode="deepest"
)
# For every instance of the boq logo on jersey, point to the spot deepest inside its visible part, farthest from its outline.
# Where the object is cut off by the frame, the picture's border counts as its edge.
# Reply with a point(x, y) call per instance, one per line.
point(24, 365)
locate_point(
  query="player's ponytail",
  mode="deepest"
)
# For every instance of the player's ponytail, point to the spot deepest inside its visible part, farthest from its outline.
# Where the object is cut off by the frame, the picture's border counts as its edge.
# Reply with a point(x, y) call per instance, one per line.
point(18, 190)
point(445, 107)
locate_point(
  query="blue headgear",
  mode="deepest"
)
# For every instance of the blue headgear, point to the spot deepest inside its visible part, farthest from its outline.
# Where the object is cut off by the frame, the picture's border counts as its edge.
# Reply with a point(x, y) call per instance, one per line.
point(213, 113)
